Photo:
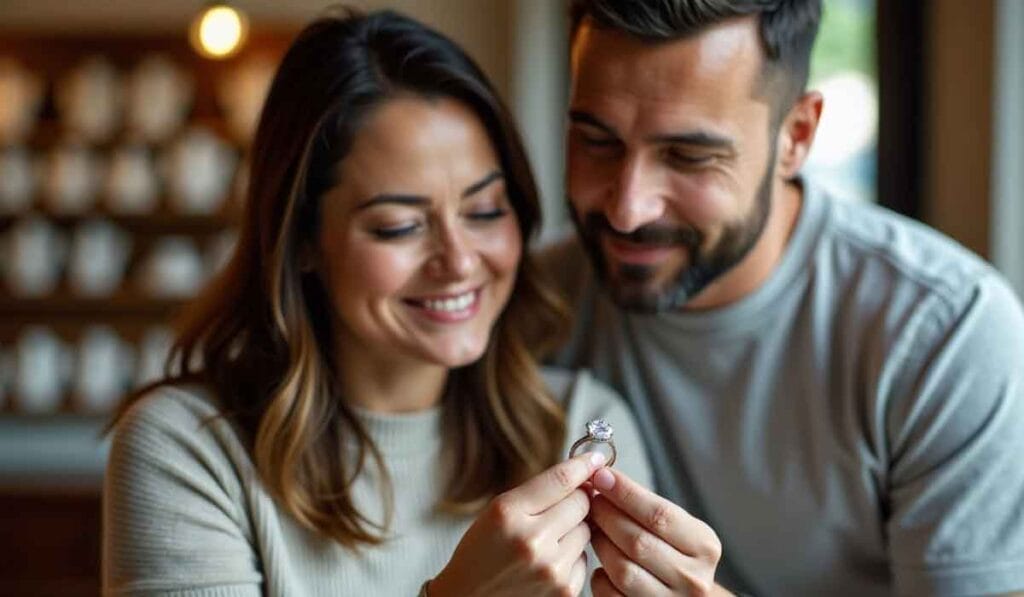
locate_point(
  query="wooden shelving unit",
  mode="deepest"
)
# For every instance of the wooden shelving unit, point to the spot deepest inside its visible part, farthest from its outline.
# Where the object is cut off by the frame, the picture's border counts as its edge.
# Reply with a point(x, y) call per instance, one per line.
point(130, 310)
point(51, 464)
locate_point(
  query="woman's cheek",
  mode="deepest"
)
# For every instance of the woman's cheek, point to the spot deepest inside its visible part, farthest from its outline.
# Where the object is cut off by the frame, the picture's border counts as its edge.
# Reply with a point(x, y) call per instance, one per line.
point(503, 246)
point(377, 268)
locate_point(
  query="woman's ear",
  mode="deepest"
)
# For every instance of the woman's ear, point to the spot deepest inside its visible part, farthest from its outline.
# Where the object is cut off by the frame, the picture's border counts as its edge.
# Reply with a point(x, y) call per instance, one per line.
point(796, 135)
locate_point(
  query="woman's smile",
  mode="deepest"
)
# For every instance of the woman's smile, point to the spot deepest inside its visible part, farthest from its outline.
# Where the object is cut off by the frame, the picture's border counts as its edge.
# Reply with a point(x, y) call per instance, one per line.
point(447, 308)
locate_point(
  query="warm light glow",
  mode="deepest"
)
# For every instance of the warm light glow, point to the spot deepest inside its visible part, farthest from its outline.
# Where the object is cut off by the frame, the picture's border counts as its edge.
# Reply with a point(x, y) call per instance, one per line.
point(219, 31)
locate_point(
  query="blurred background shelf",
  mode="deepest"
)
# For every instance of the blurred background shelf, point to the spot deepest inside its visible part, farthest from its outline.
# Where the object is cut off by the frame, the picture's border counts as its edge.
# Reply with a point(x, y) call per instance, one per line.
point(64, 307)
point(156, 223)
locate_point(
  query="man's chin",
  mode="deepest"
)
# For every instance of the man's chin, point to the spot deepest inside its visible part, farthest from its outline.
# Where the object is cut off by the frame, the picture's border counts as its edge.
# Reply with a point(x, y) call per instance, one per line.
point(639, 298)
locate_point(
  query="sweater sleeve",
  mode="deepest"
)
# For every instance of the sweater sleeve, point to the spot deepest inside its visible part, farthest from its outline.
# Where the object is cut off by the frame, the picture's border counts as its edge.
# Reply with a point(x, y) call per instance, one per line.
point(173, 516)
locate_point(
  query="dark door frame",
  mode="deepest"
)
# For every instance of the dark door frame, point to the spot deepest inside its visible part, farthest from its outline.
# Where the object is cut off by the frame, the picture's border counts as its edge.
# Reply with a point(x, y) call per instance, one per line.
point(901, 30)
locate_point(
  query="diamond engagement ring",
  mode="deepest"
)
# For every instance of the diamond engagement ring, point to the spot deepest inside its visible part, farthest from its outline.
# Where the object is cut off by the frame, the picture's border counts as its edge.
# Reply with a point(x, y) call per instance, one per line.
point(599, 431)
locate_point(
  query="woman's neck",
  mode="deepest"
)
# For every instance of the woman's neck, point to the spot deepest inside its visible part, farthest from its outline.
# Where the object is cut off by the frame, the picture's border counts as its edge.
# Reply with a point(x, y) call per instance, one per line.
point(389, 385)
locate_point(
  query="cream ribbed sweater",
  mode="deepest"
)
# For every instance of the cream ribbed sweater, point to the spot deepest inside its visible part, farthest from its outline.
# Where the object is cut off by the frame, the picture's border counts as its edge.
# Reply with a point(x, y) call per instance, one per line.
point(185, 513)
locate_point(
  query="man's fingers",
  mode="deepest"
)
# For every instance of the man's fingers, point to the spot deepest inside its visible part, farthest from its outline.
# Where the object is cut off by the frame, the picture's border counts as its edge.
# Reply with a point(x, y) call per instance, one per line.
point(670, 566)
point(627, 576)
point(601, 585)
point(661, 517)
point(553, 485)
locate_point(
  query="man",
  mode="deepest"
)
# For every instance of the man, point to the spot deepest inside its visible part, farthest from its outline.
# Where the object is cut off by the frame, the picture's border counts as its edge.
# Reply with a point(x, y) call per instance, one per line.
point(837, 392)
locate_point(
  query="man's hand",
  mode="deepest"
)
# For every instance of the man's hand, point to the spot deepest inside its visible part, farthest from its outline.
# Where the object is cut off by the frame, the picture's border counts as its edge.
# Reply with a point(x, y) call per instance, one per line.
point(648, 545)
point(530, 540)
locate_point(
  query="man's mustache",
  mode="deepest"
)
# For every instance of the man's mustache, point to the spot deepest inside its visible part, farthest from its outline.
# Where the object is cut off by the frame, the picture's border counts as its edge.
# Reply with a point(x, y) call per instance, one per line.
point(596, 224)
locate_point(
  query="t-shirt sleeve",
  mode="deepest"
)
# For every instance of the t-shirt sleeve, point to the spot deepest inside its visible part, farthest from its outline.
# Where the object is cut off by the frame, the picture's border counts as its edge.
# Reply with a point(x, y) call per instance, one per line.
point(173, 523)
point(955, 425)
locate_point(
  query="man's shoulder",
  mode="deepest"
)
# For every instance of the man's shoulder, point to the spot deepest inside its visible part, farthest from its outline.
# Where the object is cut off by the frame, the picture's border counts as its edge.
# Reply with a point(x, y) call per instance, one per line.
point(908, 286)
point(868, 244)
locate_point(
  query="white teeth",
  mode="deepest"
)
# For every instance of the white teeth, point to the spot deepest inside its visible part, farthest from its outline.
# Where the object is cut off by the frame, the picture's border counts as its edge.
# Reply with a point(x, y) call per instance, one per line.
point(451, 305)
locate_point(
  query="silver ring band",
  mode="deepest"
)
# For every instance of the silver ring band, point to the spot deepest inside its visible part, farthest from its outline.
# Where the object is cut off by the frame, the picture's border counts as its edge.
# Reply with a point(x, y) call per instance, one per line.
point(589, 438)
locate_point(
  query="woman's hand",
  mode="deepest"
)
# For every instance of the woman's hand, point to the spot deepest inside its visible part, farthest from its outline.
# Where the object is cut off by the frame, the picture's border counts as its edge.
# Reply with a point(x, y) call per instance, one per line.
point(528, 541)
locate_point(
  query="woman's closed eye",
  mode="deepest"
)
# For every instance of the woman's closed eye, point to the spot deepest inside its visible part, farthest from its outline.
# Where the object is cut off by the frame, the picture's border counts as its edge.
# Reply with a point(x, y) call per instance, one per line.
point(487, 215)
point(396, 231)
point(408, 229)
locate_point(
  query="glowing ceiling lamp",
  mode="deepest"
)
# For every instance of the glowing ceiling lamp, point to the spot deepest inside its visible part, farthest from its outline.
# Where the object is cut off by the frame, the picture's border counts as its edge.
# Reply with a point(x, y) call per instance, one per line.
point(219, 31)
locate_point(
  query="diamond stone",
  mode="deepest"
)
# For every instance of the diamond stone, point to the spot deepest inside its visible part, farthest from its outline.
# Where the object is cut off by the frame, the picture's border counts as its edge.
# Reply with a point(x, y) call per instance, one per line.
point(600, 430)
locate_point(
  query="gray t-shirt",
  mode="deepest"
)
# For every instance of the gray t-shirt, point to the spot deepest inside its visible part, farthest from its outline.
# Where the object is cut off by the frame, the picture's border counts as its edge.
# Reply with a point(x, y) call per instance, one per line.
point(854, 426)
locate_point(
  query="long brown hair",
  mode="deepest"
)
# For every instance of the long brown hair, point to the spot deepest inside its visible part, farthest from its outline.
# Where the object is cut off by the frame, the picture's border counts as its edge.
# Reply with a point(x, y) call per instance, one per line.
point(258, 336)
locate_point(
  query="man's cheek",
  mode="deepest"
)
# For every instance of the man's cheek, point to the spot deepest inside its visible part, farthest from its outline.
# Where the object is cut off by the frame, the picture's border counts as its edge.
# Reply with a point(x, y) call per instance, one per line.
point(585, 182)
point(702, 203)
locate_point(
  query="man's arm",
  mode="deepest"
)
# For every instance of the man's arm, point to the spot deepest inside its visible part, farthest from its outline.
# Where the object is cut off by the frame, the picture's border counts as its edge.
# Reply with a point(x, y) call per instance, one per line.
point(955, 428)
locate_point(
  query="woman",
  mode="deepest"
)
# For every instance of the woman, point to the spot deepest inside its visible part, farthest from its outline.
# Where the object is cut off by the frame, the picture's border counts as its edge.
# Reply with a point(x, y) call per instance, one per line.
point(354, 406)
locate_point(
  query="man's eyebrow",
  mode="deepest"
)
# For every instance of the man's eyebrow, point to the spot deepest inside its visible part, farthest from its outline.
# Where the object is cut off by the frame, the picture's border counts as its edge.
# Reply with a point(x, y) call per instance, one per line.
point(581, 117)
point(697, 138)
point(420, 200)
point(476, 187)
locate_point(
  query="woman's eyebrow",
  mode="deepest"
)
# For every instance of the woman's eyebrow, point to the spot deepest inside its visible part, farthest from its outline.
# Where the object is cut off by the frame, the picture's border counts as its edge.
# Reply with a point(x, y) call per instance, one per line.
point(412, 200)
point(480, 185)
point(420, 200)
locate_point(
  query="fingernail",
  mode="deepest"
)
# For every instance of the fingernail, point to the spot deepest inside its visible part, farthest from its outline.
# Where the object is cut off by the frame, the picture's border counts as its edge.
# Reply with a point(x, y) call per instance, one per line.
point(597, 459)
point(604, 479)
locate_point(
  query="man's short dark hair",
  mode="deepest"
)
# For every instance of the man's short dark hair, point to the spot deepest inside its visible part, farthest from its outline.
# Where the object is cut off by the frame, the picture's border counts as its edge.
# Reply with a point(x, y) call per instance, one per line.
point(787, 29)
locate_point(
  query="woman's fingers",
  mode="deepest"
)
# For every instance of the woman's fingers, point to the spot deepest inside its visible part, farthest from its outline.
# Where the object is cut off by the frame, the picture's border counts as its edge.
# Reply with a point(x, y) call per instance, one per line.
point(564, 516)
point(573, 543)
point(578, 574)
point(625, 575)
point(553, 485)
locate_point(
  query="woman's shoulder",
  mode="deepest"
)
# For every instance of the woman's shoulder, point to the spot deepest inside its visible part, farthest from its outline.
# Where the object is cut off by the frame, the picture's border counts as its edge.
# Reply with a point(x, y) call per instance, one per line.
point(171, 404)
point(183, 409)
point(179, 423)
point(178, 495)
point(578, 389)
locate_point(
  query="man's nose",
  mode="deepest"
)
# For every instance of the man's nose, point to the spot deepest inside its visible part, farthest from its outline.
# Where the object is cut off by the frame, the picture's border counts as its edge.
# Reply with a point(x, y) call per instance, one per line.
point(635, 198)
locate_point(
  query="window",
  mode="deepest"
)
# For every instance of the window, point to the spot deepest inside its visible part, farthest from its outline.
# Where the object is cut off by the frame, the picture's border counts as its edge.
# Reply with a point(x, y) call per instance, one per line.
point(843, 69)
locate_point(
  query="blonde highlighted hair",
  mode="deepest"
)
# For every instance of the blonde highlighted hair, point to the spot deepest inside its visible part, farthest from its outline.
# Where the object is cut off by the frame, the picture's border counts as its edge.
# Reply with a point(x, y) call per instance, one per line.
point(258, 337)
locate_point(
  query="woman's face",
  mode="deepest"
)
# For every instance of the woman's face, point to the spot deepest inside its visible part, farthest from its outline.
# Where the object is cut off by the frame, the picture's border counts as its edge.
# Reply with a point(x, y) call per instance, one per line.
point(418, 242)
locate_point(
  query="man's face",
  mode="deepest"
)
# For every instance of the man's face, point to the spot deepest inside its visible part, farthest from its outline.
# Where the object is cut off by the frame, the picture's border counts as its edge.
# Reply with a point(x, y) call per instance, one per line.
point(670, 159)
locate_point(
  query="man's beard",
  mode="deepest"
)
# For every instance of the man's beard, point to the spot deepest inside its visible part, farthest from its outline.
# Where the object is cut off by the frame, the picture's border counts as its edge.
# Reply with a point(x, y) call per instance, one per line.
point(631, 286)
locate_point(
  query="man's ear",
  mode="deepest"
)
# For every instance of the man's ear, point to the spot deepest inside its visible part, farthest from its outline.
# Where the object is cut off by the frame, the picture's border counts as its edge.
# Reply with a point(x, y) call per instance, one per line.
point(796, 135)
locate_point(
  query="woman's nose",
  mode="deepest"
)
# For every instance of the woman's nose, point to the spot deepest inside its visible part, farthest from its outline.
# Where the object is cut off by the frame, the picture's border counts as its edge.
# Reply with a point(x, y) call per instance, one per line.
point(455, 256)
